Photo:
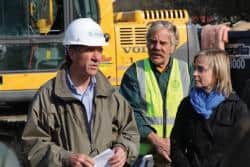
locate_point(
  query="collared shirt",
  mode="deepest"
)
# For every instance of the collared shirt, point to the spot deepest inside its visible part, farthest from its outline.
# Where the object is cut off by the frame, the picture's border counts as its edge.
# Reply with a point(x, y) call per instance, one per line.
point(86, 97)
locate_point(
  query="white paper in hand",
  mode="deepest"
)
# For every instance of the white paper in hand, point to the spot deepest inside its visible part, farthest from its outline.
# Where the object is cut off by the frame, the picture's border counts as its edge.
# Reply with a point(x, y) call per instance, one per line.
point(101, 160)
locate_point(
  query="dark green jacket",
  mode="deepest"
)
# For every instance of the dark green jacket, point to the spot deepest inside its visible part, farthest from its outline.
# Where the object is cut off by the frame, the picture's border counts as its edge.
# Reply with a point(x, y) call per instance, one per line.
point(130, 90)
point(57, 124)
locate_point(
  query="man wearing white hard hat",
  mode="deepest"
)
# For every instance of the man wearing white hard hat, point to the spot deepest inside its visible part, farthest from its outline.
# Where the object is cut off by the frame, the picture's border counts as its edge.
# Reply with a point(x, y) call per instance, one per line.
point(78, 115)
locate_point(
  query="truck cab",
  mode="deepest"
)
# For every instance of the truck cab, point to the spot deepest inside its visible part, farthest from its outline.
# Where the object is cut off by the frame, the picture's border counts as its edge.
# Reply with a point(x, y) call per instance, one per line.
point(31, 34)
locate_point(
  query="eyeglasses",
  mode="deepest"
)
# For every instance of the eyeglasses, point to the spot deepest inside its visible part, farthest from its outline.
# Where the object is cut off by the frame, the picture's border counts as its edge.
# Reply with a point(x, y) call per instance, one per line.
point(200, 69)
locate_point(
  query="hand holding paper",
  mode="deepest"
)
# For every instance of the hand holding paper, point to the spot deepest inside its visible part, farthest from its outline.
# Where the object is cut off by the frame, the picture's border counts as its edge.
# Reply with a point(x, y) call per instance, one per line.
point(102, 159)
point(119, 158)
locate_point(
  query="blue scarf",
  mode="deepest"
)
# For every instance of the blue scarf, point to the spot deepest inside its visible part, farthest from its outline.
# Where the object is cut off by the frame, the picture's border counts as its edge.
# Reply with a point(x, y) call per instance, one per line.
point(204, 103)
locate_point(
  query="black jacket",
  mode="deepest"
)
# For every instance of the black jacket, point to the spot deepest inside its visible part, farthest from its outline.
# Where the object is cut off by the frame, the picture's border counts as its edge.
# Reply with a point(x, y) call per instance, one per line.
point(199, 142)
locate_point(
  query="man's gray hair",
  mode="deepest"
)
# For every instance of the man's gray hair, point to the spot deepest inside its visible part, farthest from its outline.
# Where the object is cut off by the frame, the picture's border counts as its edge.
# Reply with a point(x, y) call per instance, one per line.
point(157, 25)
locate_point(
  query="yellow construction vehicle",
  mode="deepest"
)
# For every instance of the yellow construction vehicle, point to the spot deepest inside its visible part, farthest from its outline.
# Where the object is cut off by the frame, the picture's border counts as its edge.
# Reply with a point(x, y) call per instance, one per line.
point(31, 50)
point(31, 33)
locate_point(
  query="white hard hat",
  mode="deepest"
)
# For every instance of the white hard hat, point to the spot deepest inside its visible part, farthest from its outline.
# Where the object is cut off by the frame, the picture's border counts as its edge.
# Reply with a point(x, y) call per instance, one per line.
point(84, 31)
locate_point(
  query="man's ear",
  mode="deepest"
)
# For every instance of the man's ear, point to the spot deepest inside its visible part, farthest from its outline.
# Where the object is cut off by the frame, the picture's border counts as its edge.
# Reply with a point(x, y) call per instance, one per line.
point(71, 52)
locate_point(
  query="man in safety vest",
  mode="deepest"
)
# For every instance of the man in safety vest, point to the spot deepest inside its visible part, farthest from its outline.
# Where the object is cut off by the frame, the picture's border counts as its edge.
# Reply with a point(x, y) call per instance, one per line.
point(154, 87)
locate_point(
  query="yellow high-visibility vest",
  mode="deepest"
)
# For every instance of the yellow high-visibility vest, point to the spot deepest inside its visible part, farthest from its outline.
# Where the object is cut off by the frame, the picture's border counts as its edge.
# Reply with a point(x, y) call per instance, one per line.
point(178, 87)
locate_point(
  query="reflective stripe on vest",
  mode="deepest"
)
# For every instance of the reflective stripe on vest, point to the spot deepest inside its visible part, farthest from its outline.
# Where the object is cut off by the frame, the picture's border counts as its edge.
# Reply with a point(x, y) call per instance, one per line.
point(178, 87)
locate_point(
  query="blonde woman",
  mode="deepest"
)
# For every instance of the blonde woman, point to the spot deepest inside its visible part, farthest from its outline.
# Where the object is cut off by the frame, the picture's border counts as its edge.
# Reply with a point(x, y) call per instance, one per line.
point(207, 120)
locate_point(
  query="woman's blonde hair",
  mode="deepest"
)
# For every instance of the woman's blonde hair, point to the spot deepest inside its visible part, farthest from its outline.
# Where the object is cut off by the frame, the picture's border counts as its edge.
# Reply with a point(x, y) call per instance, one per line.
point(219, 62)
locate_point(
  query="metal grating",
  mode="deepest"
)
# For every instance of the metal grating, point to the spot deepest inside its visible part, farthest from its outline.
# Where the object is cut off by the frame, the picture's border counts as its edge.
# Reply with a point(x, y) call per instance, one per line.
point(126, 36)
point(140, 35)
point(165, 14)
point(133, 36)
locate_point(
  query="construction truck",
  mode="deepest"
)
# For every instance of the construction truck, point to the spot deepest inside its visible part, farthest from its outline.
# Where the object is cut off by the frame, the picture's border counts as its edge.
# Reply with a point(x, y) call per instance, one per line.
point(31, 33)
point(31, 50)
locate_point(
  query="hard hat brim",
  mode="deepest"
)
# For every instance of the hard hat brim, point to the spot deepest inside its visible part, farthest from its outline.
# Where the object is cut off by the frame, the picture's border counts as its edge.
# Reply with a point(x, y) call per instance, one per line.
point(86, 44)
